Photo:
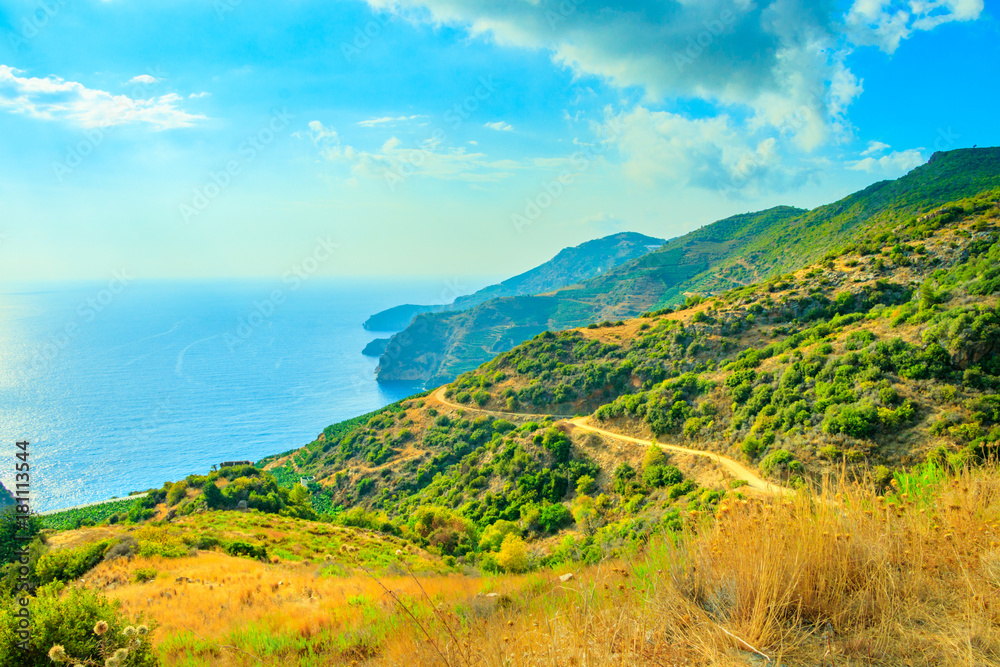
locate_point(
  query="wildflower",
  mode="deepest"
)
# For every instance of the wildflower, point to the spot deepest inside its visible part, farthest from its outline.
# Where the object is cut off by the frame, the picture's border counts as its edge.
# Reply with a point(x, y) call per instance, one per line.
point(129, 631)
point(120, 654)
point(112, 662)
point(142, 629)
point(100, 628)
point(57, 653)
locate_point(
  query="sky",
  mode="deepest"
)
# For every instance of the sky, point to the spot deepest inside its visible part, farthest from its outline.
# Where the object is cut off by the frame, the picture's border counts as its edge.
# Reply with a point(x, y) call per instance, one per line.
point(250, 138)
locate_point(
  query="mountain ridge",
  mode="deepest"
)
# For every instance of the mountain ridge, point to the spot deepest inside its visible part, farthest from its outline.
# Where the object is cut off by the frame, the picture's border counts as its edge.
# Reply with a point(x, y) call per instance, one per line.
point(730, 253)
point(570, 265)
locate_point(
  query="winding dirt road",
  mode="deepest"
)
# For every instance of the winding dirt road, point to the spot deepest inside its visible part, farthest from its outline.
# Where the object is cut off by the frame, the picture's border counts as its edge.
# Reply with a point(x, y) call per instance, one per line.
point(735, 468)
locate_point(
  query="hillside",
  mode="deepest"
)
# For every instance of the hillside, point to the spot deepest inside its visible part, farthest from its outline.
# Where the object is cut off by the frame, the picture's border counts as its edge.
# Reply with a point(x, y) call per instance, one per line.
point(570, 266)
point(880, 357)
point(704, 484)
point(730, 253)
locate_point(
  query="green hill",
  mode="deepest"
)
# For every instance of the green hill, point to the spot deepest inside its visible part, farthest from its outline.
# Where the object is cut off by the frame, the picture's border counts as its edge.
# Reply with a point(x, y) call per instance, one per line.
point(5, 496)
point(879, 358)
point(570, 266)
point(730, 253)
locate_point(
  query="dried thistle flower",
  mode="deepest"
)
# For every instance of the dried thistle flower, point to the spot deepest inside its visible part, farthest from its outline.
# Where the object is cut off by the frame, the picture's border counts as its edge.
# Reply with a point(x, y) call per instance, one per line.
point(100, 628)
point(57, 653)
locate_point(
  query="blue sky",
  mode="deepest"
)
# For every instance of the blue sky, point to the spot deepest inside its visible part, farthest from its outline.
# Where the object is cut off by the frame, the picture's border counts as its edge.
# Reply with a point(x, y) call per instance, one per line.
point(210, 138)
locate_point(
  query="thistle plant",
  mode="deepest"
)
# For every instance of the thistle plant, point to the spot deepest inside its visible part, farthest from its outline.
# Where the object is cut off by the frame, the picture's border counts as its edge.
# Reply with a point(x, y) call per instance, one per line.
point(110, 654)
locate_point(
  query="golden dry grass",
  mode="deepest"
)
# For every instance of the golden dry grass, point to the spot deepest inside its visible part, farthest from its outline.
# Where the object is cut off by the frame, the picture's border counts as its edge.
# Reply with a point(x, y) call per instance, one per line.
point(824, 578)
point(844, 579)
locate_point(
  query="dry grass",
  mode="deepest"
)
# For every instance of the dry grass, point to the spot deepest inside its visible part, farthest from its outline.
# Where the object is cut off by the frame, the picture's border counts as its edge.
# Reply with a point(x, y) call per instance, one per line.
point(845, 578)
point(216, 609)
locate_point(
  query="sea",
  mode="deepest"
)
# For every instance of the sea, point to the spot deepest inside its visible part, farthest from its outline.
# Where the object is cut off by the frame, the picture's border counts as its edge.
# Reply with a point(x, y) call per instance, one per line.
point(122, 385)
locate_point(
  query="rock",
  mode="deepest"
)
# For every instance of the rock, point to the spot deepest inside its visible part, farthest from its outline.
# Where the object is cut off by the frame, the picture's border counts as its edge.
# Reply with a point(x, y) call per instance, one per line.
point(566, 577)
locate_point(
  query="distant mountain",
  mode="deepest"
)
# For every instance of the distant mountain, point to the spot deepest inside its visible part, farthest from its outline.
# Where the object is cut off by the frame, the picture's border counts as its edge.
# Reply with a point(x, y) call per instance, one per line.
point(6, 498)
point(375, 348)
point(570, 266)
point(740, 250)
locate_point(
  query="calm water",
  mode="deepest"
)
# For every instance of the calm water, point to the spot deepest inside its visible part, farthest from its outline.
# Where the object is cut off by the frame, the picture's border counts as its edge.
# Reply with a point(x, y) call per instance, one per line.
point(122, 389)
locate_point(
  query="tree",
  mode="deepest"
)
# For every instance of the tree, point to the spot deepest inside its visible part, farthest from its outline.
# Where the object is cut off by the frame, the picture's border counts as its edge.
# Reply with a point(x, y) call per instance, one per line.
point(513, 556)
point(558, 443)
point(654, 457)
point(176, 493)
point(623, 476)
point(11, 528)
point(213, 496)
point(494, 535)
point(585, 484)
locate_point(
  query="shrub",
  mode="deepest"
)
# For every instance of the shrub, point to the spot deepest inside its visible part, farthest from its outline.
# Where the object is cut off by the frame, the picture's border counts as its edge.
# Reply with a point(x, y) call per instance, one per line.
point(494, 535)
point(513, 556)
point(176, 493)
point(69, 564)
point(858, 420)
point(750, 448)
point(661, 475)
point(144, 574)
point(585, 485)
point(624, 476)
point(779, 459)
point(553, 517)
point(68, 619)
point(683, 488)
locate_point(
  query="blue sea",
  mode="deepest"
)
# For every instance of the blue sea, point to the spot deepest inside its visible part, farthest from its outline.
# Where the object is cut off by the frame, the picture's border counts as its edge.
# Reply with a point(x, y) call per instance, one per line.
point(120, 386)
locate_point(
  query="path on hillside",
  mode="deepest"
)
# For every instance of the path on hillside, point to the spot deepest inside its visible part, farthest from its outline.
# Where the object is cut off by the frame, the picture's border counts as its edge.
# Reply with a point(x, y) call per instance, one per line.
point(734, 467)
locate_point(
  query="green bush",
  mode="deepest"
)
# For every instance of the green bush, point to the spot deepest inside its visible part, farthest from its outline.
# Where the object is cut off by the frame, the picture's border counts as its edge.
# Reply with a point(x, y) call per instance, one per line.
point(661, 475)
point(779, 459)
point(67, 617)
point(553, 517)
point(69, 564)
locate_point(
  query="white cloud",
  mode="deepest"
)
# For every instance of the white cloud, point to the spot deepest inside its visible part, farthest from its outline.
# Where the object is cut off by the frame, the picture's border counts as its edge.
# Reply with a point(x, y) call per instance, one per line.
point(388, 120)
point(894, 163)
point(712, 153)
point(886, 23)
point(145, 79)
point(56, 99)
point(875, 147)
point(392, 161)
point(499, 126)
point(783, 60)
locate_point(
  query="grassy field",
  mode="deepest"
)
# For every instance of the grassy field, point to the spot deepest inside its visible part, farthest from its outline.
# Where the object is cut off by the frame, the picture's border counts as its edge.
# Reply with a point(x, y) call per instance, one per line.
point(842, 576)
